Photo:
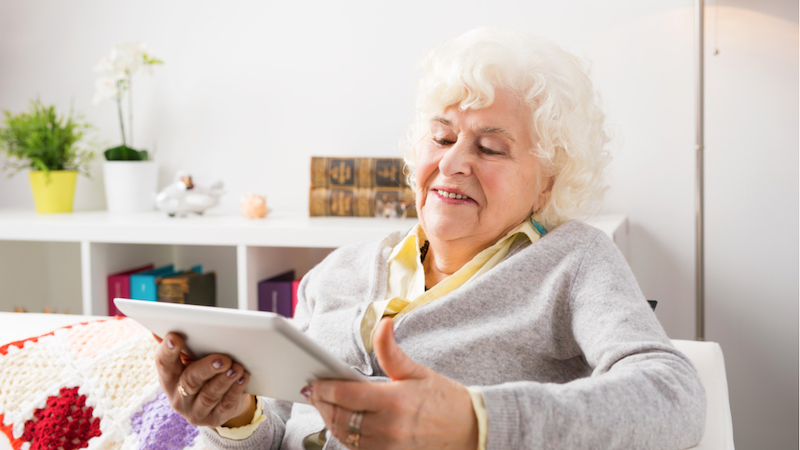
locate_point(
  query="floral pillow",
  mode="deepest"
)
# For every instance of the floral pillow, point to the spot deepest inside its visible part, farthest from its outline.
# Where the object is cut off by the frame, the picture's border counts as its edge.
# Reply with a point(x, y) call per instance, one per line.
point(91, 385)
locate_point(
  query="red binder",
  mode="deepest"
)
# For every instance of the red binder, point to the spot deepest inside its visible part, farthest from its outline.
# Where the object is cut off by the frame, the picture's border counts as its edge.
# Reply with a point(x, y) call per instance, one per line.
point(119, 285)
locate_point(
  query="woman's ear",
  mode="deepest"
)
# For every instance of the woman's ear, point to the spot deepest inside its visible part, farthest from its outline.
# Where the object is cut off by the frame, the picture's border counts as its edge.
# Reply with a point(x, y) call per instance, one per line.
point(550, 182)
point(544, 195)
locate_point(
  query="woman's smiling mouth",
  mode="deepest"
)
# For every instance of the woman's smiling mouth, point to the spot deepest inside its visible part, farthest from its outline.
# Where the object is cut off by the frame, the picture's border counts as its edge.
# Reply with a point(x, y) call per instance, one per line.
point(451, 195)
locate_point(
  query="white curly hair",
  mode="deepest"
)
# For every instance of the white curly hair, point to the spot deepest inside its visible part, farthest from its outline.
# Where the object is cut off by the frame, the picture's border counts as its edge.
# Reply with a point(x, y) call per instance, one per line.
point(566, 116)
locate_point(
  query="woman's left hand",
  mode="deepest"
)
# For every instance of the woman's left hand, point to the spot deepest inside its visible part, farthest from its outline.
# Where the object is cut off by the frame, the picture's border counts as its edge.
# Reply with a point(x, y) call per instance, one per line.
point(418, 409)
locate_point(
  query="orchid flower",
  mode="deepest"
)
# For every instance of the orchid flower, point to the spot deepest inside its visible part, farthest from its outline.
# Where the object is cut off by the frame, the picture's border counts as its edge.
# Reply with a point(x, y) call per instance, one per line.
point(117, 70)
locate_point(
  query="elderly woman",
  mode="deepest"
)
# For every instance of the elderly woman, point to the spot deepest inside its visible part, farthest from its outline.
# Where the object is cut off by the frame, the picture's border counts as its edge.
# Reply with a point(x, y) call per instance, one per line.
point(497, 322)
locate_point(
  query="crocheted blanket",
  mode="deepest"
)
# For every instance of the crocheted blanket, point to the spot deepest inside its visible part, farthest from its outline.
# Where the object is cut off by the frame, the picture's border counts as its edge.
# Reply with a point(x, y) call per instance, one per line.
point(92, 385)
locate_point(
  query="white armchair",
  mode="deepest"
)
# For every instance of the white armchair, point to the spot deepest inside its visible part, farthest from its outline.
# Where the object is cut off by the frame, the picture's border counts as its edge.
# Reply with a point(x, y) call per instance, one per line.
point(707, 358)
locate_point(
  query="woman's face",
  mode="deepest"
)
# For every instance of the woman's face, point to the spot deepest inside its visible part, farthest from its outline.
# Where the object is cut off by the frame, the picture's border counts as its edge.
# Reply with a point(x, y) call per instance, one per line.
point(476, 175)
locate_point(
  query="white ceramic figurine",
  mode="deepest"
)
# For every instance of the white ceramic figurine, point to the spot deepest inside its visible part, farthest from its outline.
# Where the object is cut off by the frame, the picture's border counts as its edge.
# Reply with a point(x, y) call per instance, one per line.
point(183, 196)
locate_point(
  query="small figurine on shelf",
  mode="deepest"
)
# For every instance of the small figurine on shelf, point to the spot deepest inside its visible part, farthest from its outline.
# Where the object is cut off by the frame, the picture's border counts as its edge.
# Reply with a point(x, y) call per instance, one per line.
point(254, 206)
point(391, 209)
point(183, 196)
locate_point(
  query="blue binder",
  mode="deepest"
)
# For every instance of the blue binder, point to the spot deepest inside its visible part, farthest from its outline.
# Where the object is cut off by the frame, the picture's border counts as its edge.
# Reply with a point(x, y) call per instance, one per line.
point(143, 284)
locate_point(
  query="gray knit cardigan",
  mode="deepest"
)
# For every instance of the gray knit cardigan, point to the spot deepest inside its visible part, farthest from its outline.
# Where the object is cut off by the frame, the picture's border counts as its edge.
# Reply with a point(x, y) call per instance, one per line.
point(558, 337)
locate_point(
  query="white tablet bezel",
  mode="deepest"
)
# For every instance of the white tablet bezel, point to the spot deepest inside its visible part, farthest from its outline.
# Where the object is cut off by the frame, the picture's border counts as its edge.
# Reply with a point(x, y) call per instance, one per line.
point(280, 359)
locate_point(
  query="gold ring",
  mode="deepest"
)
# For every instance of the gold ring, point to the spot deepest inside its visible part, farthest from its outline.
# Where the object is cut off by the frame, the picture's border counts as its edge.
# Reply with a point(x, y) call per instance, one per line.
point(182, 391)
point(355, 422)
point(352, 439)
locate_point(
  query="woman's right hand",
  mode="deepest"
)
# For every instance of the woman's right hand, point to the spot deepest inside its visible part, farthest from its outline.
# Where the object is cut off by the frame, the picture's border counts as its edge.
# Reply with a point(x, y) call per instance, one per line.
point(208, 392)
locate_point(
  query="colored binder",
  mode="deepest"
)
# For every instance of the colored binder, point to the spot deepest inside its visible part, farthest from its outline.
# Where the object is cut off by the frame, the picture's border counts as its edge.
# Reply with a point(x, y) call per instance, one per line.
point(295, 285)
point(119, 286)
point(275, 294)
point(143, 284)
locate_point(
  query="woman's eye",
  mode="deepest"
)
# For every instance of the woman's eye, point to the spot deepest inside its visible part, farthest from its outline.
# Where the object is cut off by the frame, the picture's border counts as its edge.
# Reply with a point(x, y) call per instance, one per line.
point(441, 141)
point(488, 151)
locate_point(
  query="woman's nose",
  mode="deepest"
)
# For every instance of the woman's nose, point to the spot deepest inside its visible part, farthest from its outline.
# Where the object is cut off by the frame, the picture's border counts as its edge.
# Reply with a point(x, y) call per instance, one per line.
point(456, 160)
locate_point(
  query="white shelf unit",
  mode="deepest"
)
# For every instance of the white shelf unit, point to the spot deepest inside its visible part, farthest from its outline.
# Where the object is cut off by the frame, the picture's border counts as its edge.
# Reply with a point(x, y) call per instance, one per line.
point(242, 251)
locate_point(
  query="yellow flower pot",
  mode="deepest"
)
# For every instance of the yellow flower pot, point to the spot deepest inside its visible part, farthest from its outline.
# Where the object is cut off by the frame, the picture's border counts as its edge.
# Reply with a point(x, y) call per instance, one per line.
point(56, 194)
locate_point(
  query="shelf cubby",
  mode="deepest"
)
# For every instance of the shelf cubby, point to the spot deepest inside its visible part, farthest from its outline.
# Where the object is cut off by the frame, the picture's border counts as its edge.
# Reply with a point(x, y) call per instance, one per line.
point(63, 260)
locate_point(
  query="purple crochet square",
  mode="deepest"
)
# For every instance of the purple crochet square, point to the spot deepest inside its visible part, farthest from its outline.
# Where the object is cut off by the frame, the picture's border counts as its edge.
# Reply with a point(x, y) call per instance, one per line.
point(159, 427)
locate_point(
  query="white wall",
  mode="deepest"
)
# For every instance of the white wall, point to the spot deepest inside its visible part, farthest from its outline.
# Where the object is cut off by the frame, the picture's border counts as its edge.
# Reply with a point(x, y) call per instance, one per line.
point(250, 90)
point(752, 219)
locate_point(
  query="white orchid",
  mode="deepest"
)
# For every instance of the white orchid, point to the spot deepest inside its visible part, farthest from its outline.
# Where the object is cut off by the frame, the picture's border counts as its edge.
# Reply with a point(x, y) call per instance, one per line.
point(117, 70)
point(105, 87)
point(126, 59)
point(104, 65)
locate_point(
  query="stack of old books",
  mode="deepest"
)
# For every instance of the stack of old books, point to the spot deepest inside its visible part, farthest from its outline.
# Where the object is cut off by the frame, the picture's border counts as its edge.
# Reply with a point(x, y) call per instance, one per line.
point(360, 187)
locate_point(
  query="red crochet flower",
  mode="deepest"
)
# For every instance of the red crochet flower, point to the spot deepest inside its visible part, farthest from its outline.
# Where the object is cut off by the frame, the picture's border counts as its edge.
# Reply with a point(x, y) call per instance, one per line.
point(65, 424)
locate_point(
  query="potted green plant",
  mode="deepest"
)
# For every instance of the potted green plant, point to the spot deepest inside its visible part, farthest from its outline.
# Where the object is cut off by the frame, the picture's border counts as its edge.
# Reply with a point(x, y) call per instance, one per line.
point(53, 147)
point(131, 176)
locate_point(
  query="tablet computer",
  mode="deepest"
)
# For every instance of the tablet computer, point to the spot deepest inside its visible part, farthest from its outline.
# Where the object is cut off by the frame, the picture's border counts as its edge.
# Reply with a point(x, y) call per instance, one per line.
point(281, 360)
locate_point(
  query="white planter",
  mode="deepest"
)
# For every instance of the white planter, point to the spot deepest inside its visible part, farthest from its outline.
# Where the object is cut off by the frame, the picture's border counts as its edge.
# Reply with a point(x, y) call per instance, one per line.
point(131, 186)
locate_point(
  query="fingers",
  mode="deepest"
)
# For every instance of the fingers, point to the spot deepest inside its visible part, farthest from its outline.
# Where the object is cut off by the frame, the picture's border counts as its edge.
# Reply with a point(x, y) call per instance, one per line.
point(330, 397)
point(205, 392)
point(343, 423)
point(194, 379)
point(233, 401)
point(328, 411)
point(432, 413)
point(168, 363)
point(419, 407)
point(353, 395)
point(185, 358)
point(197, 375)
point(383, 405)
point(394, 362)
point(214, 399)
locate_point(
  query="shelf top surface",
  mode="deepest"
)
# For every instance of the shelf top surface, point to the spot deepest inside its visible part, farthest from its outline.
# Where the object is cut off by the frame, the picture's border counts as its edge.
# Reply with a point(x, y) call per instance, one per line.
point(278, 229)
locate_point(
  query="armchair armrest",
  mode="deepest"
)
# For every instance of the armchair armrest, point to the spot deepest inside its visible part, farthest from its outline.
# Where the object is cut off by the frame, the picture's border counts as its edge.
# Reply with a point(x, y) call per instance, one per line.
point(707, 358)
